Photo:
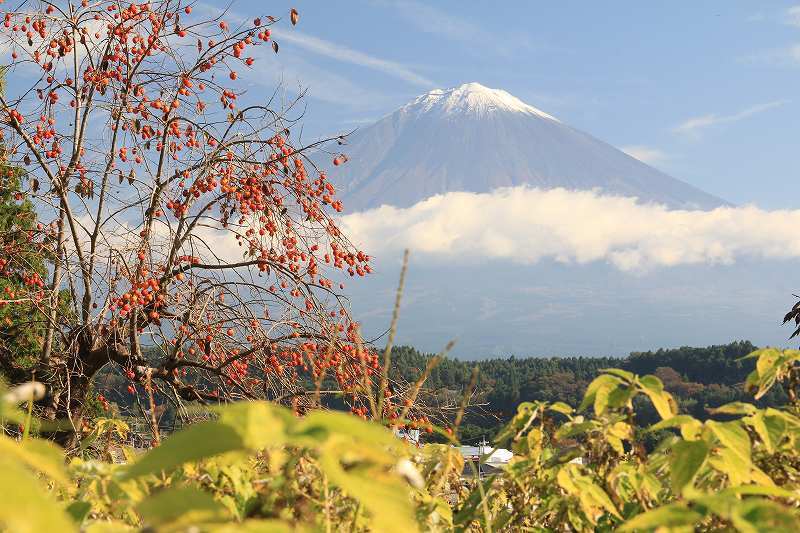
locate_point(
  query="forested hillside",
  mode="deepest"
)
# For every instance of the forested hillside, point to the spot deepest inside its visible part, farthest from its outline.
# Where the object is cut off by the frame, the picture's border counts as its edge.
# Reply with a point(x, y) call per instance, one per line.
point(699, 378)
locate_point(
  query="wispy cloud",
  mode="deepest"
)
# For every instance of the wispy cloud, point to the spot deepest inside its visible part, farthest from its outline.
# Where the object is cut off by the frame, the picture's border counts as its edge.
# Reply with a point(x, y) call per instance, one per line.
point(528, 225)
point(785, 56)
point(451, 26)
point(692, 126)
point(646, 154)
point(430, 19)
point(348, 55)
point(323, 84)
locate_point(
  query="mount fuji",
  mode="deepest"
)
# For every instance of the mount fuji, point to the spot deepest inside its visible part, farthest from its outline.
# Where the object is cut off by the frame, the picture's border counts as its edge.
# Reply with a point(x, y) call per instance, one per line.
point(476, 139)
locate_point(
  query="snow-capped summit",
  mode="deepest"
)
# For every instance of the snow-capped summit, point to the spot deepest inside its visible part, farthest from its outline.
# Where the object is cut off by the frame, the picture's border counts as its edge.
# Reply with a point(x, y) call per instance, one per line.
point(470, 98)
point(473, 138)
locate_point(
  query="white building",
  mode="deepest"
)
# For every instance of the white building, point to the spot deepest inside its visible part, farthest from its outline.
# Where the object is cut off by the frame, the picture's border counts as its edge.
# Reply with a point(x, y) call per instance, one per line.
point(493, 458)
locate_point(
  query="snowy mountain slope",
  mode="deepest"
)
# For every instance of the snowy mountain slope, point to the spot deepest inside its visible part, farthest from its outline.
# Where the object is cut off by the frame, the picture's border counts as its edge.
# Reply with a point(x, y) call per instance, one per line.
point(472, 138)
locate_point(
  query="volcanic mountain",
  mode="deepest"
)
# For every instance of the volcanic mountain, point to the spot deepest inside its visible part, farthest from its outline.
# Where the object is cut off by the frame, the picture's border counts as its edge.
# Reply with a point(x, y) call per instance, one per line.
point(476, 139)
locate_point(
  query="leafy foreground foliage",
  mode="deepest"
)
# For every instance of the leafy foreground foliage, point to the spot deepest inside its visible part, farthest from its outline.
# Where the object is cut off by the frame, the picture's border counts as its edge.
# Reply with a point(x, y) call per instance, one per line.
point(256, 467)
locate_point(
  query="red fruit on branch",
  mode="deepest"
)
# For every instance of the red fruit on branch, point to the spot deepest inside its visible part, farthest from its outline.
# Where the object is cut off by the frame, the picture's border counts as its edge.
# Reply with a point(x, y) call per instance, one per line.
point(250, 229)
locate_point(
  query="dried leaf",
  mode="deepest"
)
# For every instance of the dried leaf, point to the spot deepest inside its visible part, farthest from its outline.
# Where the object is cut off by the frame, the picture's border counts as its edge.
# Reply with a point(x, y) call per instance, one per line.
point(275, 46)
point(294, 16)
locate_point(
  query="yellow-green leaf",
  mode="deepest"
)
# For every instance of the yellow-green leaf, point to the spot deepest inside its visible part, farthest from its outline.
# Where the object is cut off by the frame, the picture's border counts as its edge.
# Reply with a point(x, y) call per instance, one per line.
point(40, 455)
point(26, 505)
point(198, 441)
point(669, 516)
point(661, 399)
point(179, 508)
point(686, 460)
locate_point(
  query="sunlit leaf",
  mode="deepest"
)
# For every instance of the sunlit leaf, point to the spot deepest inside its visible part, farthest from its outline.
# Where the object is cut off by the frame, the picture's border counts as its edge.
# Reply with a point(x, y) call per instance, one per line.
point(601, 382)
point(198, 441)
point(25, 505)
point(40, 455)
point(661, 399)
point(734, 408)
point(733, 436)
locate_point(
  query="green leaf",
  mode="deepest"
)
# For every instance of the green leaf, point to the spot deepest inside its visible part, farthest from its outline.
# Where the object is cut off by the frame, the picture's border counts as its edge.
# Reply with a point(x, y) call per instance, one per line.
point(735, 408)
point(599, 496)
point(561, 407)
point(257, 526)
point(319, 426)
point(720, 504)
point(761, 490)
point(78, 511)
point(178, 508)
point(40, 455)
point(758, 515)
point(672, 422)
point(571, 429)
point(106, 527)
point(591, 496)
point(25, 505)
point(260, 424)
point(359, 457)
point(472, 507)
point(726, 461)
point(733, 436)
point(686, 460)
point(628, 377)
point(661, 399)
point(669, 516)
point(601, 382)
point(198, 441)
point(768, 365)
point(769, 429)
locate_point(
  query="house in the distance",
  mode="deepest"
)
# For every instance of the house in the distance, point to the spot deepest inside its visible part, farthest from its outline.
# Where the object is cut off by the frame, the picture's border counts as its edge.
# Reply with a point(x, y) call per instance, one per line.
point(493, 459)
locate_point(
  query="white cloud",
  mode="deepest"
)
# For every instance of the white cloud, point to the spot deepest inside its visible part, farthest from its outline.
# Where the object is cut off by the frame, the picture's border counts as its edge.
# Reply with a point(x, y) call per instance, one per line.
point(528, 225)
point(646, 154)
point(348, 55)
point(693, 125)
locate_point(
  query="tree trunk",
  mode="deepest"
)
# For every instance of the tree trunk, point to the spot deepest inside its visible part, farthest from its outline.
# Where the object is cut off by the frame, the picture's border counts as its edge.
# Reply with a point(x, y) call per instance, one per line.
point(68, 380)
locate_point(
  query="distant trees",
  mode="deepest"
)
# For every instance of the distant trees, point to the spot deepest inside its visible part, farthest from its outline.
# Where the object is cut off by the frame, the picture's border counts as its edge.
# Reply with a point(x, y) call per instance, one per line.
point(22, 272)
point(699, 378)
point(170, 214)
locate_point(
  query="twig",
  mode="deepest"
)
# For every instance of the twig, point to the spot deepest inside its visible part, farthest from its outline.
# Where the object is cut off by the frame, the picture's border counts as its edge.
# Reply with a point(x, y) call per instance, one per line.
point(432, 363)
point(472, 382)
point(387, 352)
point(366, 384)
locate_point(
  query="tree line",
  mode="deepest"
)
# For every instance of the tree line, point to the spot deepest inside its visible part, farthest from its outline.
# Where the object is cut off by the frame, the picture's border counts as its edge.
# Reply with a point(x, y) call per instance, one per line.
point(699, 378)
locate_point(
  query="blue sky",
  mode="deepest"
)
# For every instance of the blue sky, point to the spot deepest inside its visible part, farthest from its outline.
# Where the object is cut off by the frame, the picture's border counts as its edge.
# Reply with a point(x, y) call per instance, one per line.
point(704, 91)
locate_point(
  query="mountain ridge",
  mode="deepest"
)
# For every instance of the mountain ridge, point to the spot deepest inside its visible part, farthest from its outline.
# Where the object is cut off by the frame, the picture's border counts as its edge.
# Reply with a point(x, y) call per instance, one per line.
point(476, 139)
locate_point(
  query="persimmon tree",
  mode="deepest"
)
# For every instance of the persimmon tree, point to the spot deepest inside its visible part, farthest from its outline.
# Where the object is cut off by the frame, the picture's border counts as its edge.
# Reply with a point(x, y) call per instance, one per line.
point(178, 218)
